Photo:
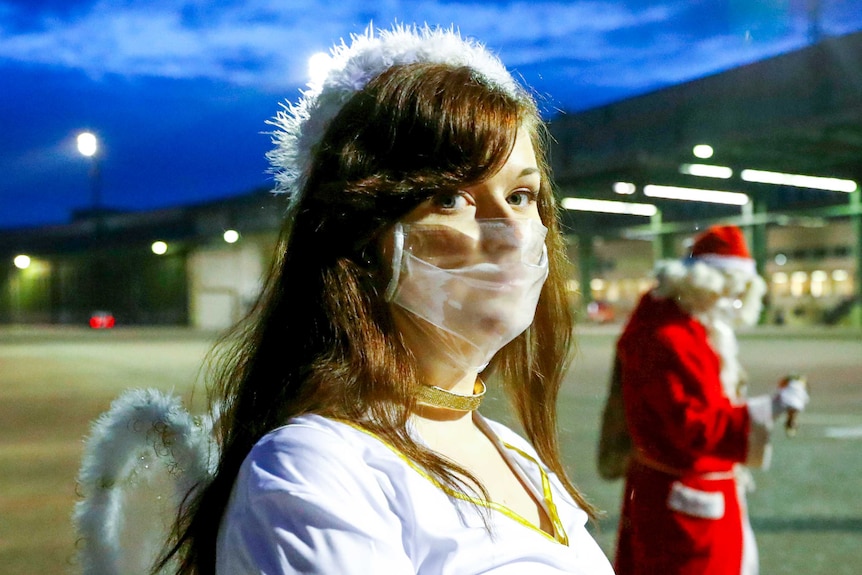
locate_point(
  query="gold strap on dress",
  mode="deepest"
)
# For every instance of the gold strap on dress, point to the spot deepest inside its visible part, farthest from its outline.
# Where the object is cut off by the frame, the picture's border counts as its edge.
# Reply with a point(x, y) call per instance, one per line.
point(548, 495)
point(559, 532)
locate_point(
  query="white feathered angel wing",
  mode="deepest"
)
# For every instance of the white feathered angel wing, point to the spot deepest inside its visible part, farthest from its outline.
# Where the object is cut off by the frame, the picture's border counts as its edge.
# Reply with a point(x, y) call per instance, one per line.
point(142, 457)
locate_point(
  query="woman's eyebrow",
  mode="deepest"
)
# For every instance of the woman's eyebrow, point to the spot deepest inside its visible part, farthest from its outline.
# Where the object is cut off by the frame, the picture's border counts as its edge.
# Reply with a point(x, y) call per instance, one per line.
point(528, 171)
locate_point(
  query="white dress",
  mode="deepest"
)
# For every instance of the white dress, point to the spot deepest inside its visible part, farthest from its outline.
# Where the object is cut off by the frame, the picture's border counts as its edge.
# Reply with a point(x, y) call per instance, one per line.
point(322, 496)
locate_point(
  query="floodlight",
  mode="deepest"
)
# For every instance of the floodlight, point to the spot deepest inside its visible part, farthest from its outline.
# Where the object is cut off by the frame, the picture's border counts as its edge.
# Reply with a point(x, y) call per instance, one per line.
point(624, 188)
point(696, 195)
point(88, 145)
point(703, 151)
point(609, 207)
point(799, 181)
point(22, 262)
point(706, 171)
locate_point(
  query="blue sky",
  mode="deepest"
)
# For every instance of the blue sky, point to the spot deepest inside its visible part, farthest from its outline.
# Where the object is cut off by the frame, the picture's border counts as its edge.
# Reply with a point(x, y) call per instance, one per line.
point(178, 92)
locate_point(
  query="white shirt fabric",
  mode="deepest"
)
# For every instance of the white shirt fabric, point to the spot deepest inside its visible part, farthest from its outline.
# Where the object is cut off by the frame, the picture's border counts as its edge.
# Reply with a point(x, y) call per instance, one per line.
point(319, 496)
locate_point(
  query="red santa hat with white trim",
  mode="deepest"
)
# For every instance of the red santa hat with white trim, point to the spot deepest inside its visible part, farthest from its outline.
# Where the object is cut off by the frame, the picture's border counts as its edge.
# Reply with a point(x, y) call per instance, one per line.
point(723, 247)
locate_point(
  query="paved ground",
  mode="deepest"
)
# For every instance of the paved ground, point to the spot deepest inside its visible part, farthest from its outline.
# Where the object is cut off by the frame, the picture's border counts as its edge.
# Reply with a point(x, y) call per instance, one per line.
point(54, 382)
point(805, 511)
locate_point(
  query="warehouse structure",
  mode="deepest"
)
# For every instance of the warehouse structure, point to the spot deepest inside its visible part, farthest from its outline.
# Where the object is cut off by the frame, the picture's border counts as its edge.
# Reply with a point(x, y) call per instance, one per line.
point(775, 146)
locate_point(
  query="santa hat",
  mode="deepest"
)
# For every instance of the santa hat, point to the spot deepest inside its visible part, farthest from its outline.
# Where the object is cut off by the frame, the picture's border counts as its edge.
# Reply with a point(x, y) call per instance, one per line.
point(723, 247)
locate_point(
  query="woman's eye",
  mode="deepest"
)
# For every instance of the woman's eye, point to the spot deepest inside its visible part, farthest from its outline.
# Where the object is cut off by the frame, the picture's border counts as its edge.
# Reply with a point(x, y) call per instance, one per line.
point(449, 200)
point(522, 198)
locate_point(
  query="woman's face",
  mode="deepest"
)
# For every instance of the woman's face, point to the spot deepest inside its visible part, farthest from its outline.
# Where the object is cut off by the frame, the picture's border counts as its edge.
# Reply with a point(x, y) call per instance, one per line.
point(510, 194)
point(471, 263)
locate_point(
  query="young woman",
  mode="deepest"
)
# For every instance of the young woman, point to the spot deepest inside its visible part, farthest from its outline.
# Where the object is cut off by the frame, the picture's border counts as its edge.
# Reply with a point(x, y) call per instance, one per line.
point(420, 258)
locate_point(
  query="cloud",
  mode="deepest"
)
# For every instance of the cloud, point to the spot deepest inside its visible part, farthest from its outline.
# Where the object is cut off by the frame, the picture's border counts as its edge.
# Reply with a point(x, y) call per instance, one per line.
point(268, 42)
point(676, 59)
point(239, 44)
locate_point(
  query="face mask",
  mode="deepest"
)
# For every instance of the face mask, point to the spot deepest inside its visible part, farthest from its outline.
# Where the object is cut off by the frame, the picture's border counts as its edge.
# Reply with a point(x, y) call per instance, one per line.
point(469, 288)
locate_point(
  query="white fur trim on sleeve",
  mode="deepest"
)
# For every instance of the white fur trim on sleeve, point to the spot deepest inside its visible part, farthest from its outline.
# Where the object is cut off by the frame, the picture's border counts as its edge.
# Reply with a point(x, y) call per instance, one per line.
point(759, 446)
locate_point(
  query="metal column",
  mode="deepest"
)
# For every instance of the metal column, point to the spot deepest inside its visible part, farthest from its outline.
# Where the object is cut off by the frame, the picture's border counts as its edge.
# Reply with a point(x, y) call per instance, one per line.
point(662, 242)
point(759, 247)
point(585, 269)
point(856, 227)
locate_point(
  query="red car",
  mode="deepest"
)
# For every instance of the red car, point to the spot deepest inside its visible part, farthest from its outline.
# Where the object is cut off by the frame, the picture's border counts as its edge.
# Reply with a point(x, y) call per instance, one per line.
point(102, 320)
point(600, 312)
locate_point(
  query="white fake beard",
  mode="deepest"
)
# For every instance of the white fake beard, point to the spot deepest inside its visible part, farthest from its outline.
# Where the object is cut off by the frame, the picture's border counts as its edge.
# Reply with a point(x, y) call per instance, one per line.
point(743, 310)
point(466, 314)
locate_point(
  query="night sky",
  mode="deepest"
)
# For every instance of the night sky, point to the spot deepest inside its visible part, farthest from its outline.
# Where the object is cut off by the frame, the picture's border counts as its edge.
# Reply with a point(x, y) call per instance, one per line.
point(179, 92)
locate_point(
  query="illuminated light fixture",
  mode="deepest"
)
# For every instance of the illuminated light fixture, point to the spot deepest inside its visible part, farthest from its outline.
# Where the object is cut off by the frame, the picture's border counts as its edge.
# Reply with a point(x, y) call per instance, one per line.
point(706, 171)
point(703, 151)
point(87, 144)
point(573, 285)
point(159, 248)
point(624, 188)
point(779, 278)
point(21, 262)
point(799, 181)
point(696, 195)
point(819, 276)
point(840, 275)
point(780, 259)
point(231, 236)
point(597, 284)
point(609, 207)
point(798, 277)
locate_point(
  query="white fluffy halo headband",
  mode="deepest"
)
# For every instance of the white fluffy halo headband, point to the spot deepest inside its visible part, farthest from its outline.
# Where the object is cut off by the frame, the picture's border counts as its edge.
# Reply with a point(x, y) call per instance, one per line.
point(300, 127)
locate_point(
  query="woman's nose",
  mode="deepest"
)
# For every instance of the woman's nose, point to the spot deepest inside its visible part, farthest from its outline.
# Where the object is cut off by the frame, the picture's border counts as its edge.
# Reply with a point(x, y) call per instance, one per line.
point(501, 237)
point(494, 208)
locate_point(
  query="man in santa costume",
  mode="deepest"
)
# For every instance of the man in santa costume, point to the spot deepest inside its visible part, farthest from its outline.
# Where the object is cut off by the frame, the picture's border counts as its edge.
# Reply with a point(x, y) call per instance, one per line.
point(693, 431)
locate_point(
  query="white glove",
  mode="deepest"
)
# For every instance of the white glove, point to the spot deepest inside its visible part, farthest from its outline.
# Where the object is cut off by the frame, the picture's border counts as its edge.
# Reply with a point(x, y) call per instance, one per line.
point(792, 396)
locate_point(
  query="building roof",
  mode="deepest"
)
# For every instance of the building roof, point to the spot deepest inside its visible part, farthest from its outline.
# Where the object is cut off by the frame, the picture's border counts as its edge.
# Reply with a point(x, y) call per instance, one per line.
point(254, 212)
point(798, 113)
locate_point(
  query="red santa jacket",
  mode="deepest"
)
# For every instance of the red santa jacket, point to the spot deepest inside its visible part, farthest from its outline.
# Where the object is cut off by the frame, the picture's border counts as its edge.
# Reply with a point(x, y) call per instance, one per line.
point(676, 410)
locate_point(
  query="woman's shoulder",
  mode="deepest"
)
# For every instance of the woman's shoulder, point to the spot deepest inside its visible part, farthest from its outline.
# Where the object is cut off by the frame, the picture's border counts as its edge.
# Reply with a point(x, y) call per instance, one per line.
point(316, 437)
point(319, 472)
point(312, 425)
point(315, 454)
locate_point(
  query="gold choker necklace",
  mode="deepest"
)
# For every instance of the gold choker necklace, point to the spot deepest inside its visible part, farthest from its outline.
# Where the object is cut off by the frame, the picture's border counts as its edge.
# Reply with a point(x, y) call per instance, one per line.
point(439, 397)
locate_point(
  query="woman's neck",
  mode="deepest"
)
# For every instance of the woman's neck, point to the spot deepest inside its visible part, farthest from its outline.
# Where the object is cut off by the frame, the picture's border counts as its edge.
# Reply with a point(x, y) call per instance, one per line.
point(438, 426)
point(463, 384)
point(442, 374)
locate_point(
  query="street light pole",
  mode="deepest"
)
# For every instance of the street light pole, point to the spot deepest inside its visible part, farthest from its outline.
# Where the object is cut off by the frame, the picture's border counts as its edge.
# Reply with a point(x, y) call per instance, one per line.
point(815, 29)
point(88, 146)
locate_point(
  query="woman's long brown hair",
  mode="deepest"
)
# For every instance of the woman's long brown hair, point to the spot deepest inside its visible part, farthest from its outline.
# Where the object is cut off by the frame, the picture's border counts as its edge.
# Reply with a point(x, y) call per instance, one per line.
point(320, 339)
